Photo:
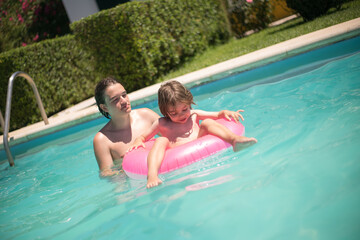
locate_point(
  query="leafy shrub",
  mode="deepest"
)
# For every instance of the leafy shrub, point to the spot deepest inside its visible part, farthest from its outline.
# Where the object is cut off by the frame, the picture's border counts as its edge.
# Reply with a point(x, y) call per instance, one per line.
point(23, 22)
point(248, 15)
point(134, 42)
point(311, 9)
point(139, 41)
point(62, 73)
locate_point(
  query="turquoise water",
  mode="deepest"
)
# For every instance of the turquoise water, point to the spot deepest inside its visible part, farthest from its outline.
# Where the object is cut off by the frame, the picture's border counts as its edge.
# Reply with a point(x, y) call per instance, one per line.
point(300, 181)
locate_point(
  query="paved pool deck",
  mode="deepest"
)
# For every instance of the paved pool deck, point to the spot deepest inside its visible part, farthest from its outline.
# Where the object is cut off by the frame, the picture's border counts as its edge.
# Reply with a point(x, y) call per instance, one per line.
point(87, 110)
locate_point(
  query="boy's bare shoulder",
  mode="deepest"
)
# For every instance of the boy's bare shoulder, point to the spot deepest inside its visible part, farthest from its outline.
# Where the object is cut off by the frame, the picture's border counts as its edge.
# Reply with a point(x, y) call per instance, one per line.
point(100, 137)
point(103, 136)
point(143, 110)
point(146, 112)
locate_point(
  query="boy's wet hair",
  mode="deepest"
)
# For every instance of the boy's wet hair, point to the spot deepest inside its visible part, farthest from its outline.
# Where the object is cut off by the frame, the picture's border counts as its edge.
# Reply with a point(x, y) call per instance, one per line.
point(172, 92)
point(99, 93)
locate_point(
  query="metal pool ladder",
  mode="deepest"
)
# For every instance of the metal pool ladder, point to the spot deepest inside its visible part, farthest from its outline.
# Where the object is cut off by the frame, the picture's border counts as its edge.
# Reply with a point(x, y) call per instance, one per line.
point(8, 108)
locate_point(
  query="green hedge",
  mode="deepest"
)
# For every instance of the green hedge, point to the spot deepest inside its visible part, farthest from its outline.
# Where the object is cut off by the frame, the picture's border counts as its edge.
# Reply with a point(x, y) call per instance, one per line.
point(135, 42)
point(139, 41)
point(62, 72)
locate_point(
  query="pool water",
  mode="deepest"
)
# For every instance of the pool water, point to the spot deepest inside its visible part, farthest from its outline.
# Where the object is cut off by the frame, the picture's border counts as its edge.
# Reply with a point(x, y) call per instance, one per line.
point(300, 181)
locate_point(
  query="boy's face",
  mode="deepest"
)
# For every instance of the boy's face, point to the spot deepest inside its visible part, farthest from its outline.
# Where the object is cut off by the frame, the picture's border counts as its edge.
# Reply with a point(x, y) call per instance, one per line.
point(117, 100)
point(179, 113)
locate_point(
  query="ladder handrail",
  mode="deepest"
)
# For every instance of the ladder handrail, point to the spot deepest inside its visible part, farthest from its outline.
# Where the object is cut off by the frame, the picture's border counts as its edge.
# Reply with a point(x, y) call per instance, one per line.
point(8, 109)
point(2, 122)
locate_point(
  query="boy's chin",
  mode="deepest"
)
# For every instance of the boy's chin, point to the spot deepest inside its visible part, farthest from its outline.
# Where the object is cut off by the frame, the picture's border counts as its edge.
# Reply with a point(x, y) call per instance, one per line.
point(127, 110)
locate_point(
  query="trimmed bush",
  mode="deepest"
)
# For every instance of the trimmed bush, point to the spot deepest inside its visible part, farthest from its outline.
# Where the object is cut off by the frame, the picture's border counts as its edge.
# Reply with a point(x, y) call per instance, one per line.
point(311, 9)
point(137, 42)
point(61, 70)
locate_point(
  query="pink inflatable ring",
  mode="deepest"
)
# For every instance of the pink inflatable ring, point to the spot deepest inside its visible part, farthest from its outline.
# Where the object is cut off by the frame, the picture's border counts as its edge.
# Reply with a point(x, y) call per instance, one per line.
point(135, 162)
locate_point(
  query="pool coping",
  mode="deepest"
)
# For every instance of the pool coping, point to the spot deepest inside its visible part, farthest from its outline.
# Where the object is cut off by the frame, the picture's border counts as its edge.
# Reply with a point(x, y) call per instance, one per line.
point(87, 110)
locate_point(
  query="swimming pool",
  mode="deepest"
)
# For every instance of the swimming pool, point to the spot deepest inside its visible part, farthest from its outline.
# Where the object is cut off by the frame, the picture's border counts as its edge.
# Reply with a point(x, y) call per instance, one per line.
point(300, 181)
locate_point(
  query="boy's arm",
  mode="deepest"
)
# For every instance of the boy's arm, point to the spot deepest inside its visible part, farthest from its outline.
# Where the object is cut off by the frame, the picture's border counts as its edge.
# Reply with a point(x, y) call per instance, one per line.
point(222, 114)
point(103, 155)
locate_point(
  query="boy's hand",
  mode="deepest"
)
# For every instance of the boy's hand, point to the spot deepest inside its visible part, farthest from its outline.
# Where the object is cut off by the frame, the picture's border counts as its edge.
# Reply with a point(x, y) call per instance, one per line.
point(231, 115)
